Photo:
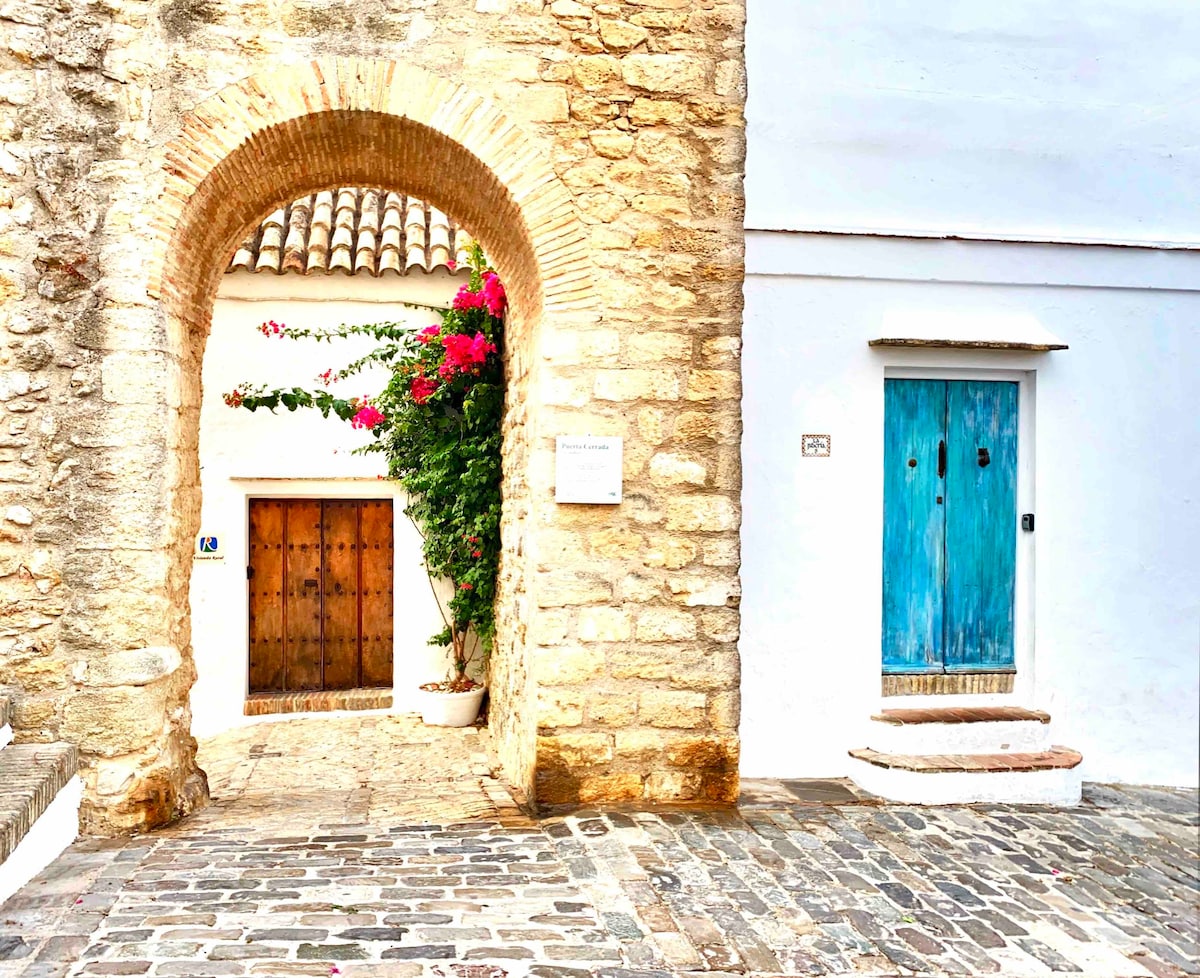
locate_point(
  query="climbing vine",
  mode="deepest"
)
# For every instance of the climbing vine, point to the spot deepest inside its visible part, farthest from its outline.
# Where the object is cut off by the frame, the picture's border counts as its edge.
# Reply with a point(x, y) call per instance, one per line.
point(437, 423)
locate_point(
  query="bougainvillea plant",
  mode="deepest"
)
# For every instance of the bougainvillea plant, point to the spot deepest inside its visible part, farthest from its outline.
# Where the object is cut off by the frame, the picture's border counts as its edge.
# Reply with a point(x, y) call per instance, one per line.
point(437, 423)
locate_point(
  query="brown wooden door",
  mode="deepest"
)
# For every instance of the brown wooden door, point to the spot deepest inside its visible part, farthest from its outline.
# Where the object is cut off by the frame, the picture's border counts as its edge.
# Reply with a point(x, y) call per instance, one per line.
point(320, 582)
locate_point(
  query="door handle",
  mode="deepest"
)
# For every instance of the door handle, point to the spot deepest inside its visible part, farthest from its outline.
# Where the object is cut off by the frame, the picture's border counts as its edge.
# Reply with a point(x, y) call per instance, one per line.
point(942, 459)
point(310, 582)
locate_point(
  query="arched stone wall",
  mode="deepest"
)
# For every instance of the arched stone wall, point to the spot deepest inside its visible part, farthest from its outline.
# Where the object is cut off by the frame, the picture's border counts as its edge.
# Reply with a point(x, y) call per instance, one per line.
point(612, 206)
point(379, 124)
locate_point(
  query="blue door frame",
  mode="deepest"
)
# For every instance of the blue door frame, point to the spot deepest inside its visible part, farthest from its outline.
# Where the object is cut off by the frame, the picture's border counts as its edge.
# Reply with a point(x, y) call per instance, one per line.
point(950, 524)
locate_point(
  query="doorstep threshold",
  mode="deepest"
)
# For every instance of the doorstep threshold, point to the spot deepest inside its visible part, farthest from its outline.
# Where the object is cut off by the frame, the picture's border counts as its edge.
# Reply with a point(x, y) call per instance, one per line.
point(317, 701)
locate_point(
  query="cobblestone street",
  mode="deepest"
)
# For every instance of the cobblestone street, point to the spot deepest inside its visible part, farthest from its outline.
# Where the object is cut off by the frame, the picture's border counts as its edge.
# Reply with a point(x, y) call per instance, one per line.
point(387, 849)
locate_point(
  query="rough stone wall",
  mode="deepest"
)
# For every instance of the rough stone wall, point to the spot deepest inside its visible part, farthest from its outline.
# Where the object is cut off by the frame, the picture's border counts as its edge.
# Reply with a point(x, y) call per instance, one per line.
point(619, 642)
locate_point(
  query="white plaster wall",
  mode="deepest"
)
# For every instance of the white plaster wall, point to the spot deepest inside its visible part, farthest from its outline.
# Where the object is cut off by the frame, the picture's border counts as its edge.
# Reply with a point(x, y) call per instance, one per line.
point(1115, 588)
point(244, 454)
point(1072, 120)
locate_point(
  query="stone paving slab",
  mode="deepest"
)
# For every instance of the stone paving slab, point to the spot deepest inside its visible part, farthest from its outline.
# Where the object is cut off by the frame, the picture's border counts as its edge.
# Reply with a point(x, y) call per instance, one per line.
point(344, 849)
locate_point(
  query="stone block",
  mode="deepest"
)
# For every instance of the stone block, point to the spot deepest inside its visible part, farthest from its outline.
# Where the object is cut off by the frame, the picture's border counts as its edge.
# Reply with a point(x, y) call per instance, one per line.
point(558, 588)
point(559, 707)
point(656, 112)
point(612, 709)
point(616, 542)
point(676, 73)
point(603, 625)
point(549, 626)
point(568, 665)
point(612, 144)
point(131, 667)
point(575, 749)
point(665, 625)
point(654, 347)
point(709, 514)
point(713, 385)
point(720, 624)
point(621, 36)
point(498, 64)
point(596, 71)
point(673, 708)
point(672, 553)
point(636, 385)
point(674, 469)
point(698, 591)
point(115, 721)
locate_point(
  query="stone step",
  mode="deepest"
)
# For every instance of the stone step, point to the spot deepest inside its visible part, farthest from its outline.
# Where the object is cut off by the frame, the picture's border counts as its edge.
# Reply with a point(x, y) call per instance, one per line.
point(1049, 777)
point(5, 728)
point(960, 730)
point(39, 809)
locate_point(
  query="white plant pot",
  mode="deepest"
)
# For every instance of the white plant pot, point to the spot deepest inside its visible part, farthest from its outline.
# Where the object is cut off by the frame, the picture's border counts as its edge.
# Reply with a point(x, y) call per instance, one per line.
point(451, 709)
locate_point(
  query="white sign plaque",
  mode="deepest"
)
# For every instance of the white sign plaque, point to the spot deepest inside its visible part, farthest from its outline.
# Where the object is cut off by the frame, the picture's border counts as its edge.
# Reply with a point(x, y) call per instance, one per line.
point(587, 469)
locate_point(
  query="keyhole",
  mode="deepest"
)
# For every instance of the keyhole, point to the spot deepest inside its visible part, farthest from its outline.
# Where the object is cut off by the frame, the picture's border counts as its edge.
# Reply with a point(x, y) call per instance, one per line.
point(984, 458)
point(912, 463)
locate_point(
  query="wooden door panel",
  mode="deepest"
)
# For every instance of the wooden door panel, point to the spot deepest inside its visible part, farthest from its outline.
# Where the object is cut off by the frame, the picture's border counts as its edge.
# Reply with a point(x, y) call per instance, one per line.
point(265, 584)
point(914, 526)
point(377, 603)
point(302, 595)
point(341, 622)
point(981, 525)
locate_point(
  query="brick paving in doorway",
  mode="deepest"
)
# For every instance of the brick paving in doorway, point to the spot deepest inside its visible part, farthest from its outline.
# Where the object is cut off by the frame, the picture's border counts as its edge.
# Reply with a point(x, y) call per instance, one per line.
point(378, 847)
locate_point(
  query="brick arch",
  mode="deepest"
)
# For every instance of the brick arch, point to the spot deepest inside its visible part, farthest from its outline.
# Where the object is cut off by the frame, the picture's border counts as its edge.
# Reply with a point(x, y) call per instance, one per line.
point(353, 122)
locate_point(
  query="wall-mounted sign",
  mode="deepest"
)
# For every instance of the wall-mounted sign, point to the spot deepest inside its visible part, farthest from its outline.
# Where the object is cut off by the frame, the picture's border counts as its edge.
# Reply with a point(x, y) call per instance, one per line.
point(587, 469)
point(208, 547)
point(816, 446)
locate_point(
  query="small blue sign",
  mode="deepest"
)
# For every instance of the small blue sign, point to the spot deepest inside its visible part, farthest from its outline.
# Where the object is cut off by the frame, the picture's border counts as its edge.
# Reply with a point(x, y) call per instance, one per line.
point(208, 545)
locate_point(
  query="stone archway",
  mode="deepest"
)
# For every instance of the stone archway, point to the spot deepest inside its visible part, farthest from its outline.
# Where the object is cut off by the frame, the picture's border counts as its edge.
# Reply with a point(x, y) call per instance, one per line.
point(242, 152)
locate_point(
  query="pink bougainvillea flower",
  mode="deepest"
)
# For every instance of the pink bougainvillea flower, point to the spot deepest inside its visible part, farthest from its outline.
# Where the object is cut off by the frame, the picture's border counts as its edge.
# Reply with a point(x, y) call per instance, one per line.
point(452, 265)
point(421, 387)
point(234, 398)
point(429, 332)
point(494, 296)
point(367, 417)
point(272, 328)
point(466, 587)
point(466, 299)
point(476, 553)
point(327, 377)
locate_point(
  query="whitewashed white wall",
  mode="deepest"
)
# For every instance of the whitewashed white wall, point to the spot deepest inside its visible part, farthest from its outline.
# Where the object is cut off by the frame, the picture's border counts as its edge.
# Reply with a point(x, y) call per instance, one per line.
point(1070, 120)
point(245, 454)
point(1116, 594)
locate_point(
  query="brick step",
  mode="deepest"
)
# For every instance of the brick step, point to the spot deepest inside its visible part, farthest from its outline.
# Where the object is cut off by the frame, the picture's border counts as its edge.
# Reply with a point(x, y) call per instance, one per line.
point(317, 701)
point(960, 730)
point(1039, 777)
point(39, 809)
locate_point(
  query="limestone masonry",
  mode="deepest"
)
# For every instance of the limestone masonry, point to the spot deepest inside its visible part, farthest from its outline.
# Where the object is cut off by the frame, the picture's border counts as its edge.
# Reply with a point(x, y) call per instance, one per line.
point(596, 152)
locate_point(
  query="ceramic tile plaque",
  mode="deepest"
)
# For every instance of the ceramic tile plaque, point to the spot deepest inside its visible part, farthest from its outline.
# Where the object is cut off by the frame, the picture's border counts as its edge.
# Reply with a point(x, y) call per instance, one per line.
point(587, 469)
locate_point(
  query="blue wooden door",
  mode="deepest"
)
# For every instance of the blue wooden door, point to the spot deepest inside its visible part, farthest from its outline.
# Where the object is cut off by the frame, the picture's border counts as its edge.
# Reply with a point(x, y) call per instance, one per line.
point(949, 548)
point(914, 526)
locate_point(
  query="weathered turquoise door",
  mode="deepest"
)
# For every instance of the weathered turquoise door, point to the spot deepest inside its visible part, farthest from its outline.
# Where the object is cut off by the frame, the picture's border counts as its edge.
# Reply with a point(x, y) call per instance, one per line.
point(950, 525)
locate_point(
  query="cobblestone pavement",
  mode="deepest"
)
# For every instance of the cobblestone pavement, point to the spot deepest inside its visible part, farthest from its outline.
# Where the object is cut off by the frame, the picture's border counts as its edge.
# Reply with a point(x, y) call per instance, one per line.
point(356, 854)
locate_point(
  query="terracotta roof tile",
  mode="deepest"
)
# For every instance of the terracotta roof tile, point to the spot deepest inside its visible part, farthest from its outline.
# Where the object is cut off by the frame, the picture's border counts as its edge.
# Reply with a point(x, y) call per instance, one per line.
point(353, 230)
